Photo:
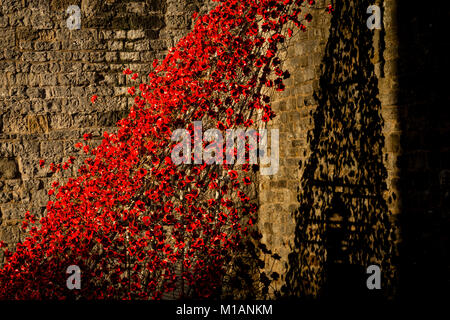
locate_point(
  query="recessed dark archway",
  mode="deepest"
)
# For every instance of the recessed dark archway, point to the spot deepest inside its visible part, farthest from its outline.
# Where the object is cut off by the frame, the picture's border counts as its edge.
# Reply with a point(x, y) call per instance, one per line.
point(423, 99)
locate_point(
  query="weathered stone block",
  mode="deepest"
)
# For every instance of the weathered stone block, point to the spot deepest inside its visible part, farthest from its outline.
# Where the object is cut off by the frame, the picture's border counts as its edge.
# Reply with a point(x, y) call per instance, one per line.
point(135, 34)
point(115, 45)
point(9, 169)
point(38, 123)
point(129, 56)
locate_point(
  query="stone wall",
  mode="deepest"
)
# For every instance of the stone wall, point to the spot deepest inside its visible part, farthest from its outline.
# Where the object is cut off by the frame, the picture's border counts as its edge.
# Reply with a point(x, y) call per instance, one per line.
point(408, 61)
point(48, 74)
point(294, 107)
point(296, 110)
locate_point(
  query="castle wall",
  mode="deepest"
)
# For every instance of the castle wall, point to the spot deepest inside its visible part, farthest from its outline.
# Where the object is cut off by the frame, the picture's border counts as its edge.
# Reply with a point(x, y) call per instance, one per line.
point(49, 73)
point(296, 109)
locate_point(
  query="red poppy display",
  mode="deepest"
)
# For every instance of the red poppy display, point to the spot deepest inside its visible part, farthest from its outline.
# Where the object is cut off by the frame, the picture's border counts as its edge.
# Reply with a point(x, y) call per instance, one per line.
point(136, 224)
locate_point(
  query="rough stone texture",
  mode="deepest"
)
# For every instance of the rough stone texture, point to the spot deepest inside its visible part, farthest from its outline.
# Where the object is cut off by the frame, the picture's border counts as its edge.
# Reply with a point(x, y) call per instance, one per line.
point(408, 60)
point(294, 107)
point(48, 74)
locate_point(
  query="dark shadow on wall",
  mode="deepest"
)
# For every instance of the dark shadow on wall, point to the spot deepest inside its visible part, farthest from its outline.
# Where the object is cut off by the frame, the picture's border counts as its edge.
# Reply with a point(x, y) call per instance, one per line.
point(343, 224)
point(425, 142)
point(118, 14)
